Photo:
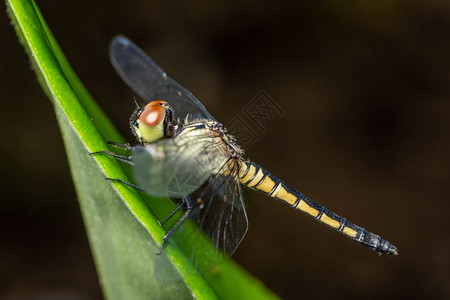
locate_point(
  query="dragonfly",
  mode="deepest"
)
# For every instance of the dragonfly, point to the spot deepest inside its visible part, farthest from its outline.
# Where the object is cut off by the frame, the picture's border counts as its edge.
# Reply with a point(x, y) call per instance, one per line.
point(185, 154)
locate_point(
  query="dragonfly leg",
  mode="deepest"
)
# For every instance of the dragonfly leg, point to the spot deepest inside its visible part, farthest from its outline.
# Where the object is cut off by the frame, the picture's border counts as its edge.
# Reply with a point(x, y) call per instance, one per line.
point(179, 222)
point(183, 201)
point(124, 159)
point(124, 146)
point(126, 183)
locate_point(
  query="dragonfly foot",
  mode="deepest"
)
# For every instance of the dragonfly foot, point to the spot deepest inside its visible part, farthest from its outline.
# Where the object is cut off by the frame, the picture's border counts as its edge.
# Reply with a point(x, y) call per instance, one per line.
point(124, 146)
point(161, 247)
point(126, 183)
point(124, 159)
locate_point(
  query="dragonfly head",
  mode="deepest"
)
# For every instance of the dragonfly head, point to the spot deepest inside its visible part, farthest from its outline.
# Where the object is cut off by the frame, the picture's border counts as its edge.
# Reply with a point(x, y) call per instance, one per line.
point(152, 122)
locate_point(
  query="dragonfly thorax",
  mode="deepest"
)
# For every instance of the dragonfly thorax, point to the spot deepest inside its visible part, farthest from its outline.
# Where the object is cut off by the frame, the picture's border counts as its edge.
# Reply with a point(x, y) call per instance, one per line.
point(214, 129)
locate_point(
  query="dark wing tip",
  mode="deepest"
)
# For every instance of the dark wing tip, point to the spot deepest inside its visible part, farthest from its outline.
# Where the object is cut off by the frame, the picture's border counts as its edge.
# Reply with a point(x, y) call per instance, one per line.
point(119, 39)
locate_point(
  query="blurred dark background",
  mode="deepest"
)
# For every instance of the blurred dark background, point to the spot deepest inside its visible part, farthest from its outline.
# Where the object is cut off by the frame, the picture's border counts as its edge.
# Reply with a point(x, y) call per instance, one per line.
point(366, 132)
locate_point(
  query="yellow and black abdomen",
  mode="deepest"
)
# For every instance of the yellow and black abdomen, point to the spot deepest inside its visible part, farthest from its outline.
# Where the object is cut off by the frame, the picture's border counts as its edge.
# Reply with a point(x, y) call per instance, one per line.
point(255, 177)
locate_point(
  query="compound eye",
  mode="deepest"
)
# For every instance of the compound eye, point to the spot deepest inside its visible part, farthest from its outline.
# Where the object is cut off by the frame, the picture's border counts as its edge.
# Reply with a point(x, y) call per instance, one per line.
point(152, 115)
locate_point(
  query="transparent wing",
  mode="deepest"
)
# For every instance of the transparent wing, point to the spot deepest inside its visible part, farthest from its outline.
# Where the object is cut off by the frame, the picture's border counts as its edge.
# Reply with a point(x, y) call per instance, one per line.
point(177, 167)
point(220, 218)
point(148, 80)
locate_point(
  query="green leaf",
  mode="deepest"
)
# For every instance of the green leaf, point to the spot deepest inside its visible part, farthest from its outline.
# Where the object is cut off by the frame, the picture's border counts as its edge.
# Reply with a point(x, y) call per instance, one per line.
point(123, 232)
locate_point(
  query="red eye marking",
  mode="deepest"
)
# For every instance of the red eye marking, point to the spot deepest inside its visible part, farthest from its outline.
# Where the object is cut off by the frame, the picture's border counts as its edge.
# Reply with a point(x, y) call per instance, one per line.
point(153, 113)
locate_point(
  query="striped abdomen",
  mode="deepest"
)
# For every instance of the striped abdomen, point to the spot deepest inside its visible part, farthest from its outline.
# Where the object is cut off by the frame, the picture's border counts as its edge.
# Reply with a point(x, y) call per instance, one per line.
point(255, 177)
